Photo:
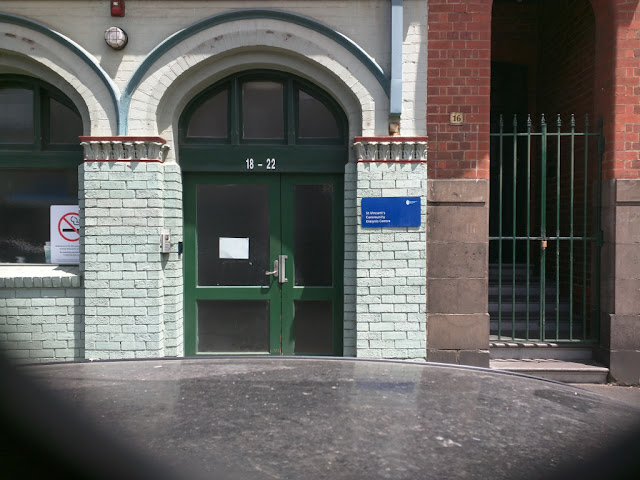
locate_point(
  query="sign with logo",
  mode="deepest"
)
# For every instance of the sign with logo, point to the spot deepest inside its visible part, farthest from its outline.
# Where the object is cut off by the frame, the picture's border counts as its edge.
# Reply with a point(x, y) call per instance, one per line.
point(65, 234)
point(391, 212)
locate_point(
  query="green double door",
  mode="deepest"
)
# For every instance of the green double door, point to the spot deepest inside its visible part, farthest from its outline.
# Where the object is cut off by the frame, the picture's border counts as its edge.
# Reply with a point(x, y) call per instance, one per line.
point(263, 264)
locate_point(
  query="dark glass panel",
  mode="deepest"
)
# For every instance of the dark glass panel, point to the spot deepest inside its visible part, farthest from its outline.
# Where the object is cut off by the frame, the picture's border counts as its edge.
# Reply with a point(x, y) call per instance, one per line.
point(211, 119)
point(262, 110)
point(16, 116)
point(65, 124)
point(25, 198)
point(312, 234)
point(233, 326)
point(239, 215)
point(315, 120)
point(313, 327)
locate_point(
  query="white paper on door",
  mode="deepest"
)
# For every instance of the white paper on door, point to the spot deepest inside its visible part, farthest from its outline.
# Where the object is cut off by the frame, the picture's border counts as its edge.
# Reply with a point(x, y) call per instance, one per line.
point(236, 248)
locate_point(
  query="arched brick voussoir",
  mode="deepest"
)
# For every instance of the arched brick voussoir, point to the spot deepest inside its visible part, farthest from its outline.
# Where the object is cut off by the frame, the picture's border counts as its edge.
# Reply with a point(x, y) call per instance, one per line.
point(273, 44)
point(36, 54)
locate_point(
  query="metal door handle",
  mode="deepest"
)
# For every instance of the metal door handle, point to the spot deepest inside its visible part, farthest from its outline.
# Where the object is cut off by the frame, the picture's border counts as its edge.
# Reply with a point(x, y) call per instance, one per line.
point(276, 270)
point(282, 272)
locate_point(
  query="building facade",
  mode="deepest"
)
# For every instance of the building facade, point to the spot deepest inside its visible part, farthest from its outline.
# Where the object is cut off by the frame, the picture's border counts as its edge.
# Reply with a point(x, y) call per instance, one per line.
point(323, 178)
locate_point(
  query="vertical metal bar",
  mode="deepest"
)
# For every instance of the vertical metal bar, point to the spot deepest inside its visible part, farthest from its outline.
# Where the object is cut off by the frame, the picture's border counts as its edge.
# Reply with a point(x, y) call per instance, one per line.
point(513, 227)
point(584, 227)
point(558, 193)
point(543, 221)
point(571, 206)
point(598, 232)
point(500, 230)
point(528, 219)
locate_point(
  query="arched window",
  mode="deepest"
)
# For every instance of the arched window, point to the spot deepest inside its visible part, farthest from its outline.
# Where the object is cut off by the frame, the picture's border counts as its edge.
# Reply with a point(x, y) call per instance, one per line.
point(39, 155)
point(263, 108)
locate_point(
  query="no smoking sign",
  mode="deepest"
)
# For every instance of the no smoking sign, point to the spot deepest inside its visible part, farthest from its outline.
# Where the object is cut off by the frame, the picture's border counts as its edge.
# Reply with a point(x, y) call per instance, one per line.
point(69, 227)
point(65, 234)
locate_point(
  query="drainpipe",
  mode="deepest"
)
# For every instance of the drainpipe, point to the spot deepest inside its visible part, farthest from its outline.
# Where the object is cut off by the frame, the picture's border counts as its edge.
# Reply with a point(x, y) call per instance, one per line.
point(395, 97)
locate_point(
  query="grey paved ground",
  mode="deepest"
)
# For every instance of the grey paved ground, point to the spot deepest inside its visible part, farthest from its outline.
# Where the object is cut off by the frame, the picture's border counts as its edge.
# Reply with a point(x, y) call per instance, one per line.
point(629, 395)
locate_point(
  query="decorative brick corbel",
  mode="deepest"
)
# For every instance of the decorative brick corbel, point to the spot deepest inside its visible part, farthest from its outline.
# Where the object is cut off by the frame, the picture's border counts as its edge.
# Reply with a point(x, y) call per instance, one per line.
point(391, 149)
point(124, 149)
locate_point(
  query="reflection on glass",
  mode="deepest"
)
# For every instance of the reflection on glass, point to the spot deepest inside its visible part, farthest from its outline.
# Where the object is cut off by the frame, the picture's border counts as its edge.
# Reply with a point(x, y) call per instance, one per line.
point(233, 212)
point(233, 326)
point(262, 110)
point(65, 124)
point(313, 327)
point(312, 234)
point(210, 120)
point(314, 118)
point(16, 115)
point(25, 198)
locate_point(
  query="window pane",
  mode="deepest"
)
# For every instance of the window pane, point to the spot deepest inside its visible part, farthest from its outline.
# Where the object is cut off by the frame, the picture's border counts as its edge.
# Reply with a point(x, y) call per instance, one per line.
point(312, 234)
point(313, 327)
point(233, 234)
point(210, 120)
point(233, 326)
point(16, 115)
point(65, 124)
point(25, 198)
point(314, 118)
point(262, 110)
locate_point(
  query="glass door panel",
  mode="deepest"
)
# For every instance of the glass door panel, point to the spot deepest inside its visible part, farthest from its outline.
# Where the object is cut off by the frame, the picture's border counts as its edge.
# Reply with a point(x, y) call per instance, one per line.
point(312, 206)
point(233, 234)
point(233, 326)
point(313, 327)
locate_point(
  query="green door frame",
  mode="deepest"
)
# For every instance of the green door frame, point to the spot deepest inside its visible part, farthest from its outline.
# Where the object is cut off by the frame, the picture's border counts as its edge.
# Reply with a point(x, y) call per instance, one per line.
point(281, 296)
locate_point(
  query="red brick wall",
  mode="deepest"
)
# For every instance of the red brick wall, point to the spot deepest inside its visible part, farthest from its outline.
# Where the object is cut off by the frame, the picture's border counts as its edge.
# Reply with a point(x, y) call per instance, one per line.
point(618, 84)
point(458, 80)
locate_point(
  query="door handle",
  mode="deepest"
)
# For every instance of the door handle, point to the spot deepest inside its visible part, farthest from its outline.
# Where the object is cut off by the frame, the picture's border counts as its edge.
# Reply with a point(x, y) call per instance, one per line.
point(276, 271)
point(281, 267)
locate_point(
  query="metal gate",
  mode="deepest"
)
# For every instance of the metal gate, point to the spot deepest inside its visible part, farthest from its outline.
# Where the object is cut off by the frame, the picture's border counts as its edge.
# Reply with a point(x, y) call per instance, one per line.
point(545, 234)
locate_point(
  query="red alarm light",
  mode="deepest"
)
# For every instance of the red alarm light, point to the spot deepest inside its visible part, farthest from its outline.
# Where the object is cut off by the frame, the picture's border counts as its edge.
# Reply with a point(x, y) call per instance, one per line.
point(117, 8)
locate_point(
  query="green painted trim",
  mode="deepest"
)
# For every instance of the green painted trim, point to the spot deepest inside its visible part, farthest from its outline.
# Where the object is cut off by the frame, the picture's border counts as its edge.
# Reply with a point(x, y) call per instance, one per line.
point(289, 158)
point(73, 47)
point(180, 36)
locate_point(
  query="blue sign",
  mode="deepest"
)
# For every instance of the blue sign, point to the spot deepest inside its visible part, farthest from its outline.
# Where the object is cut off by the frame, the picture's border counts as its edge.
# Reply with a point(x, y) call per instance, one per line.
point(391, 212)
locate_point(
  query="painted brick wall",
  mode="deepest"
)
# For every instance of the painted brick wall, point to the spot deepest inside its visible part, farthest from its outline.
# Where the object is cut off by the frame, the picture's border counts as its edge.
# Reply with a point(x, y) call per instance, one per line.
point(350, 255)
point(123, 208)
point(391, 268)
point(41, 317)
point(458, 80)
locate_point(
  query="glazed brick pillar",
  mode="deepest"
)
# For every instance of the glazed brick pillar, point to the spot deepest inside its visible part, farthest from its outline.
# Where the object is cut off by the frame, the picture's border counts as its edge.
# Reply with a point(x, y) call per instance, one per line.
point(128, 196)
point(618, 102)
point(390, 264)
point(458, 80)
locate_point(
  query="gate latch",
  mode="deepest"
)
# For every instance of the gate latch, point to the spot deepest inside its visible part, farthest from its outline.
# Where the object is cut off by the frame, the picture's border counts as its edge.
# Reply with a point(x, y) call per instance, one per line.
point(544, 244)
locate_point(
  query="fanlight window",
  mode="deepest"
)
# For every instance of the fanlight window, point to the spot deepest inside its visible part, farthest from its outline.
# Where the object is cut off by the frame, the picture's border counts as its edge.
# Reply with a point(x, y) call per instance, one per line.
point(254, 108)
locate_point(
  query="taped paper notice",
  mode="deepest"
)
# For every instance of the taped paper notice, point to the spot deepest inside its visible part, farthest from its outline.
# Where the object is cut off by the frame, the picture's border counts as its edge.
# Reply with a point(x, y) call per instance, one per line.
point(236, 248)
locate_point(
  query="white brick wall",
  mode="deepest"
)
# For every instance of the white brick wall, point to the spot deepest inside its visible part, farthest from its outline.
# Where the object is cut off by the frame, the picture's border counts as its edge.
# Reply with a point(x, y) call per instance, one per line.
point(41, 314)
point(132, 291)
point(390, 307)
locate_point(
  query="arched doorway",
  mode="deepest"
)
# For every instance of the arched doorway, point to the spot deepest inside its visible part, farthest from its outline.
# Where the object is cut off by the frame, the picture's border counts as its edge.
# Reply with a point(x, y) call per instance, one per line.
point(545, 173)
point(263, 156)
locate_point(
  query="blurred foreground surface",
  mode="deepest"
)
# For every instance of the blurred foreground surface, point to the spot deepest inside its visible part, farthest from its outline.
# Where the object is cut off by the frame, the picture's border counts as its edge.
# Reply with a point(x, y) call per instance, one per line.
point(310, 418)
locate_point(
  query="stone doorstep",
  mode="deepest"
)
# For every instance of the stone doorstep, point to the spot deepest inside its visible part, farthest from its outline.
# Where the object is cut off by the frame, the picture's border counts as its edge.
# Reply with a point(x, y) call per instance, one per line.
point(552, 369)
point(522, 350)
